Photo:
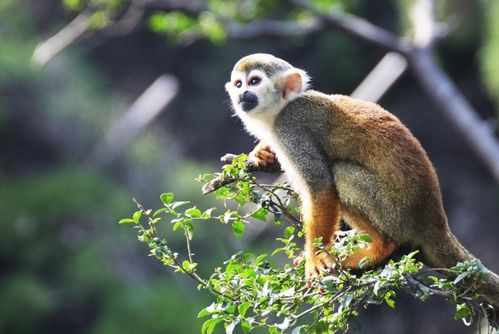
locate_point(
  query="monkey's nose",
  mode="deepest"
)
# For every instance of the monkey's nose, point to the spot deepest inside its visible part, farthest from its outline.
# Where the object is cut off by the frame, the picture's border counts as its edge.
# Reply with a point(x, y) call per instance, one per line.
point(247, 96)
point(248, 100)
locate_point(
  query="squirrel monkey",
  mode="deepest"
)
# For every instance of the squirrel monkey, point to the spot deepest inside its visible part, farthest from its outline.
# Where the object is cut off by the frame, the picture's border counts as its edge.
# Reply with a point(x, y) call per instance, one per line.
point(347, 159)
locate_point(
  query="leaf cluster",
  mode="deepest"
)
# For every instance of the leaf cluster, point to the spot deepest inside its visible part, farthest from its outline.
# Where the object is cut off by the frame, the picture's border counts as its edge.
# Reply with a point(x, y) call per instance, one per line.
point(266, 291)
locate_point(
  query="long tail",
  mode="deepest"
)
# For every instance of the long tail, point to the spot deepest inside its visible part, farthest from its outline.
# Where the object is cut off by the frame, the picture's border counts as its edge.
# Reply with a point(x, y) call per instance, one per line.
point(448, 252)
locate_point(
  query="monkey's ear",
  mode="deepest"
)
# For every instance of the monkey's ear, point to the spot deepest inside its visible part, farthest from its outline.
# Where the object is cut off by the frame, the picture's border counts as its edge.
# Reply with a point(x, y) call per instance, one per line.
point(293, 82)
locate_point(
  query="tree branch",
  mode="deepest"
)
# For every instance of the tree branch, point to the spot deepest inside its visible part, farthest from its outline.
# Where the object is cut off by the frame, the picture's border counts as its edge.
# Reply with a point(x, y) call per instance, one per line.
point(359, 28)
point(219, 182)
point(381, 78)
point(140, 114)
point(273, 28)
point(49, 48)
point(478, 134)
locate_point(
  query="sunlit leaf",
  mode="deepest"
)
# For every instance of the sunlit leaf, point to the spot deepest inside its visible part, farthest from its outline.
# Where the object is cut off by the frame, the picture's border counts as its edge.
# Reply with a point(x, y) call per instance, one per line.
point(243, 308)
point(193, 212)
point(238, 227)
point(127, 221)
point(166, 198)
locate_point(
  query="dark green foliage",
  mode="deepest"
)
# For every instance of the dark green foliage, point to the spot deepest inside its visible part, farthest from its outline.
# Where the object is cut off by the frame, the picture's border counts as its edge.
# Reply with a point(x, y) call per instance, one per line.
point(50, 264)
point(262, 291)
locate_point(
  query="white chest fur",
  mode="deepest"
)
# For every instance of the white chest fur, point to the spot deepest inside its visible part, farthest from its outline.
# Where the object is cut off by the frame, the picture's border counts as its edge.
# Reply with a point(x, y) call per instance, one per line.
point(262, 127)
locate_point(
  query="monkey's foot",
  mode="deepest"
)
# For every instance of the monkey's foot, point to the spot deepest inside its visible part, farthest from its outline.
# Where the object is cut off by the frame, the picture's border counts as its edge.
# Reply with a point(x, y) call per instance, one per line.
point(262, 155)
point(318, 264)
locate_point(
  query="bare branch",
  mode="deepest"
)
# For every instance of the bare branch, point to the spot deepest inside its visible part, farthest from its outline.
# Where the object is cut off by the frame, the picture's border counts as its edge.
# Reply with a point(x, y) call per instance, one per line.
point(273, 28)
point(130, 19)
point(359, 28)
point(381, 78)
point(458, 111)
point(140, 114)
point(48, 49)
point(190, 6)
point(422, 16)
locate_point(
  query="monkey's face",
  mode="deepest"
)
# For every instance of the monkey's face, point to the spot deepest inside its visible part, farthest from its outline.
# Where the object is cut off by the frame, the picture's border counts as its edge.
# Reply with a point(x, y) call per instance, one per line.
point(252, 92)
point(261, 85)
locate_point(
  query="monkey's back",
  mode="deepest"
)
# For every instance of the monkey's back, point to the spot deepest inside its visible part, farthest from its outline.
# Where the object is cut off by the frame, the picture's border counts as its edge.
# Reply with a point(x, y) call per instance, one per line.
point(379, 168)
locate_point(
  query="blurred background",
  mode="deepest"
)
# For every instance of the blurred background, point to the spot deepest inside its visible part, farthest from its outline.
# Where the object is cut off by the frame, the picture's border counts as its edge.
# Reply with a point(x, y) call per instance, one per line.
point(94, 113)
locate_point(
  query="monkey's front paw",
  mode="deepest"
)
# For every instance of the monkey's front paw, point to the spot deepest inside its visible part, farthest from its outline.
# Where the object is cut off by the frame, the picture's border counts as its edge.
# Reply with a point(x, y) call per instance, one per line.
point(319, 264)
point(262, 155)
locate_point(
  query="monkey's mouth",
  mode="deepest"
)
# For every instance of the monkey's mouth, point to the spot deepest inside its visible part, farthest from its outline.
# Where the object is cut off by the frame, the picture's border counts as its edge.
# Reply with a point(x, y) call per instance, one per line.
point(248, 101)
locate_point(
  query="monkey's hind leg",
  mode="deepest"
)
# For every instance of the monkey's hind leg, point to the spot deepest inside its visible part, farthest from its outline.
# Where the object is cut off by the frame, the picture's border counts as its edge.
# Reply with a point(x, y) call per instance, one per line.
point(380, 248)
point(321, 217)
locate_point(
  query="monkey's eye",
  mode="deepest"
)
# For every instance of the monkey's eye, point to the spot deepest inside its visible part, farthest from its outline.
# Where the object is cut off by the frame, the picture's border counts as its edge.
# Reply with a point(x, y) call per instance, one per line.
point(255, 81)
point(238, 83)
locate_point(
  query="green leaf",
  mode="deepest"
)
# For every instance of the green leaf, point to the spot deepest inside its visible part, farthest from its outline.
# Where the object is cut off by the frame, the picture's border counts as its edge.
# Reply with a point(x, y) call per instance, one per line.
point(204, 313)
point(260, 214)
point(289, 231)
point(461, 276)
point(213, 29)
point(179, 203)
point(193, 212)
point(73, 4)
point(346, 300)
point(273, 330)
point(159, 211)
point(189, 229)
point(208, 326)
point(259, 259)
point(462, 311)
point(154, 221)
point(127, 221)
point(230, 327)
point(98, 19)
point(284, 324)
point(246, 326)
point(188, 266)
point(390, 302)
point(207, 213)
point(364, 237)
point(412, 254)
point(388, 299)
point(243, 308)
point(288, 292)
point(136, 215)
point(166, 198)
point(363, 262)
point(226, 217)
point(434, 279)
point(238, 228)
point(158, 22)
point(297, 330)
point(278, 250)
point(172, 23)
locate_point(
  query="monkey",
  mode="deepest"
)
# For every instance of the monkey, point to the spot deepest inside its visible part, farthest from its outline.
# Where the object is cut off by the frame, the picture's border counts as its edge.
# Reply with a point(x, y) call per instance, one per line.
point(349, 159)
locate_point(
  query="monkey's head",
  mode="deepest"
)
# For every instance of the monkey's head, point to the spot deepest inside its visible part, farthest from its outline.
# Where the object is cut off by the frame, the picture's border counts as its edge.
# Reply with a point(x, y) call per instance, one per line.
point(263, 84)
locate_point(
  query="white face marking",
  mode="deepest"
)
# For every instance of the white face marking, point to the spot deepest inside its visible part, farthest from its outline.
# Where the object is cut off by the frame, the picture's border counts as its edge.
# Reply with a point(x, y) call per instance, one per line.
point(255, 82)
point(259, 119)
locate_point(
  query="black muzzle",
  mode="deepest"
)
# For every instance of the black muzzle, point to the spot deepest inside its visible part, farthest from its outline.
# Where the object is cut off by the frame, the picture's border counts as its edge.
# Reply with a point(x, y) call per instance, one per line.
point(248, 101)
